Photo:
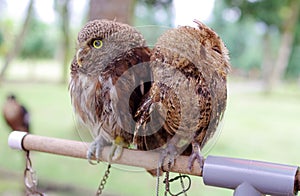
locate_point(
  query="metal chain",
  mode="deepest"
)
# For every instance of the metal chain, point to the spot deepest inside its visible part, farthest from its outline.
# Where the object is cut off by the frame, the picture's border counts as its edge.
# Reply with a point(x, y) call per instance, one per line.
point(30, 178)
point(182, 184)
point(103, 180)
point(168, 180)
point(157, 178)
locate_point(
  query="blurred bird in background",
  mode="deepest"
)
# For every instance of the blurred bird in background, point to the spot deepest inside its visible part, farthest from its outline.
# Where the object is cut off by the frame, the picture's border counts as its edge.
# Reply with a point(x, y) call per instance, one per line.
point(15, 114)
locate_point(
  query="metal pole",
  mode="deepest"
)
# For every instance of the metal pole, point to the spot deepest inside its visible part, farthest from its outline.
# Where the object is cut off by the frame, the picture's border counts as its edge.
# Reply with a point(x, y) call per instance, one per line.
point(266, 178)
point(246, 189)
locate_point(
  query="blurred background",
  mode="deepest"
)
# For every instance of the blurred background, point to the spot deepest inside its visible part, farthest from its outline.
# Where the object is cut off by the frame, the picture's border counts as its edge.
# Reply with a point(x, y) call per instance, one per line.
point(37, 42)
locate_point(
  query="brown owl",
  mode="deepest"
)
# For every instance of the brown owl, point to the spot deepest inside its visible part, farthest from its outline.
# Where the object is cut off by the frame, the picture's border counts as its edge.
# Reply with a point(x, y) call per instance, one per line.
point(188, 96)
point(107, 82)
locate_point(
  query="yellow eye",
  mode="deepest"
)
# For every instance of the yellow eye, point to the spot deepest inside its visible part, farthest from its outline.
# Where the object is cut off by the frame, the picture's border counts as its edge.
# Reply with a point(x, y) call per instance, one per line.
point(97, 43)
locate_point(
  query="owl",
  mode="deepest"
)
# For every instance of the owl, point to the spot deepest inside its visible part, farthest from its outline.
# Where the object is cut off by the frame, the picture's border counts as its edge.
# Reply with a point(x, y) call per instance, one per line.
point(187, 98)
point(15, 114)
point(109, 75)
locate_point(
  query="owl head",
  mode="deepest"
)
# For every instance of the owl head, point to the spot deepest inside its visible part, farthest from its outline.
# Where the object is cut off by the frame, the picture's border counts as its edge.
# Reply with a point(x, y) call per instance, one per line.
point(102, 41)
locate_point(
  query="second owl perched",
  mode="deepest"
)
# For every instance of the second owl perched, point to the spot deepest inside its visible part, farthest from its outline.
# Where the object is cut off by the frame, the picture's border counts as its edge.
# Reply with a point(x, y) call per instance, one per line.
point(188, 95)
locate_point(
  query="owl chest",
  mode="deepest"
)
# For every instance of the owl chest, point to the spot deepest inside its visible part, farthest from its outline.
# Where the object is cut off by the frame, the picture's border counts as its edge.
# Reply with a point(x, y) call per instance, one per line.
point(92, 101)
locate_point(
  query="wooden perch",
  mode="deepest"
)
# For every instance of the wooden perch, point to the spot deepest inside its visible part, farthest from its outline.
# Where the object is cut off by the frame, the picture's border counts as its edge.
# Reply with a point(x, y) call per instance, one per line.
point(246, 177)
point(78, 149)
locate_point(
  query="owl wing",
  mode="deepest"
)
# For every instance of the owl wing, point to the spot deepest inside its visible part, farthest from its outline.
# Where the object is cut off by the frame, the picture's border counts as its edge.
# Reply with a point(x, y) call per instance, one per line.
point(214, 66)
point(131, 78)
point(26, 118)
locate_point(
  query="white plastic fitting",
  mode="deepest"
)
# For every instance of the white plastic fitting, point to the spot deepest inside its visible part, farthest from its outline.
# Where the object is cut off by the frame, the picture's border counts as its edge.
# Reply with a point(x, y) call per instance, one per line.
point(15, 139)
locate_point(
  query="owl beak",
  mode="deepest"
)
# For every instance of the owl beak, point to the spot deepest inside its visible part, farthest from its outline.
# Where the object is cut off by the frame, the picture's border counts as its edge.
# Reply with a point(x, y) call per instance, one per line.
point(78, 59)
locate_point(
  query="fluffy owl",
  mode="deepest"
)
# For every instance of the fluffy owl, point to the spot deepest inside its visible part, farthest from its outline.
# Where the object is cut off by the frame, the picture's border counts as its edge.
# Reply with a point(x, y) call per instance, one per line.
point(188, 96)
point(108, 75)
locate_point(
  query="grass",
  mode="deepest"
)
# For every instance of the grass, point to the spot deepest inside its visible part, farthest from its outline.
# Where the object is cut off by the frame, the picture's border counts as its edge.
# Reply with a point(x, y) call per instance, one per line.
point(256, 126)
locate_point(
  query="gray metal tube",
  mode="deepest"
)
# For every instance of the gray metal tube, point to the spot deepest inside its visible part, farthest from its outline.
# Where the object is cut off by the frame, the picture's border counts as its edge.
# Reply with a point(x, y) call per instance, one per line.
point(245, 189)
point(267, 178)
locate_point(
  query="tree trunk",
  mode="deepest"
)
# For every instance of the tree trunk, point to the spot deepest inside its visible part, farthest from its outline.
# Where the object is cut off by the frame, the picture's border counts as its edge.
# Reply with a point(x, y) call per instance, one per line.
point(62, 8)
point(13, 52)
point(66, 40)
point(121, 11)
point(267, 59)
point(286, 43)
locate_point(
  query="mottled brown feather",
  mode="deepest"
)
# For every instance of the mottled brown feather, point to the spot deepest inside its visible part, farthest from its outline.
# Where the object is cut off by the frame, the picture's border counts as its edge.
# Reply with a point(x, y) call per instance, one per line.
point(189, 68)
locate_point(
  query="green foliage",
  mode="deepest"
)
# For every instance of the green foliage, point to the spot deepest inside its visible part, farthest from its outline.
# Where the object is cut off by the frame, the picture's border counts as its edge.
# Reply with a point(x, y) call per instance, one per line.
point(293, 70)
point(153, 12)
point(1, 38)
point(6, 29)
point(40, 41)
point(245, 53)
point(269, 12)
point(164, 3)
point(244, 35)
point(152, 18)
point(241, 38)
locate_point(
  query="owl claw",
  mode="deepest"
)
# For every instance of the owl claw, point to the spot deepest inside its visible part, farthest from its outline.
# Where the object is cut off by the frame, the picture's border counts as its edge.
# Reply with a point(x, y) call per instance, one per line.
point(171, 152)
point(196, 155)
point(93, 152)
point(115, 152)
point(95, 149)
point(117, 148)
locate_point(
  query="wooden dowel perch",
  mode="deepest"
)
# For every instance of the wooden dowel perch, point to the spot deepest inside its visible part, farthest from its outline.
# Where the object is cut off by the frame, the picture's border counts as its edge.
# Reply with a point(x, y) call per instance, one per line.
point(78, 149)
point(246, 177)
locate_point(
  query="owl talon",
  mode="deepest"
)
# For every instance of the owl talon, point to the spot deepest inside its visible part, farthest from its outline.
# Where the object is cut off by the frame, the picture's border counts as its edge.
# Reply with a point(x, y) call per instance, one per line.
point(171, 152)
point(117, 148)
point(95, 150)
point(196, 155)
point(115, 152)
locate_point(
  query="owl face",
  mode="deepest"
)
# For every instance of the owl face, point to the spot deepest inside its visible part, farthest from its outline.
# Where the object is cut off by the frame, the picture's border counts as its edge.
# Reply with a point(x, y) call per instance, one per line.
point(102, 41)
